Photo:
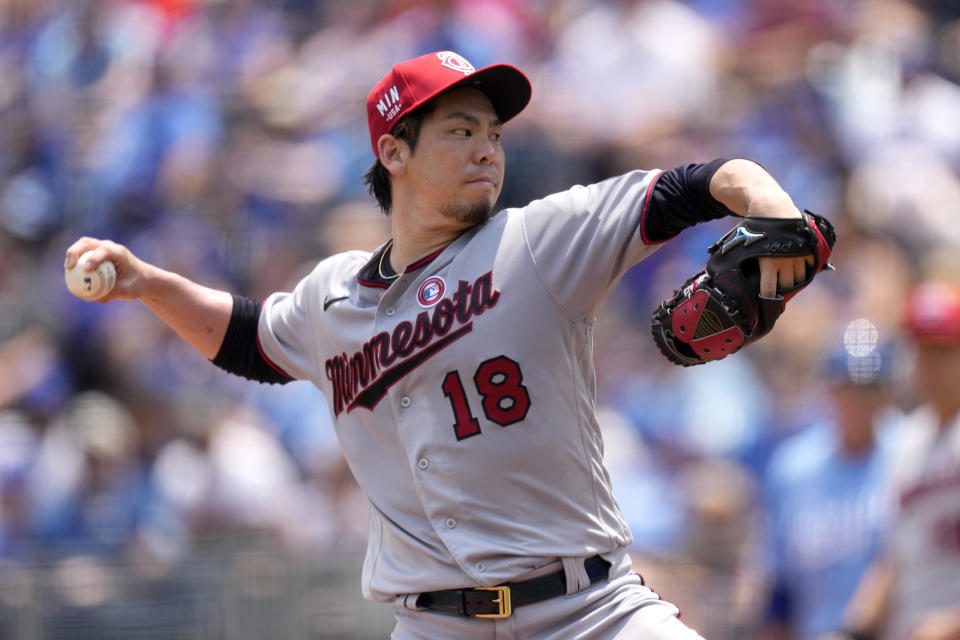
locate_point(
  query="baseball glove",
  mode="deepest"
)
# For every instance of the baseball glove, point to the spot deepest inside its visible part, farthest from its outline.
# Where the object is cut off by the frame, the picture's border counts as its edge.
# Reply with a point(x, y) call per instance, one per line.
point(720, 309)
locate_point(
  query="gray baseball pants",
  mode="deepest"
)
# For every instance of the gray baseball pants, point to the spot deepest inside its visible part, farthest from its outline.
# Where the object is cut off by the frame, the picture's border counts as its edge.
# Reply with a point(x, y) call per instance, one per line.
point(620, 608)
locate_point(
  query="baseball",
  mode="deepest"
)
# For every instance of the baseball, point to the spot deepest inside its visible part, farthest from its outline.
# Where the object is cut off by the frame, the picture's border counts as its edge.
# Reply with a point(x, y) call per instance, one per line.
point(90, 285)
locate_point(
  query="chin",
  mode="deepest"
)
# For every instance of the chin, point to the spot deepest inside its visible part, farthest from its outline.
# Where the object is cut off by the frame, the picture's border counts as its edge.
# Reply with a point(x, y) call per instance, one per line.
point(470, 214)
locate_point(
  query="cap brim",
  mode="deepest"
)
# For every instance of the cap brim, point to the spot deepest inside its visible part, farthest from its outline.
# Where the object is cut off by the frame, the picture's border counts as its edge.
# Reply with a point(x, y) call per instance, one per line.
point(933, 338)
point(507, 87)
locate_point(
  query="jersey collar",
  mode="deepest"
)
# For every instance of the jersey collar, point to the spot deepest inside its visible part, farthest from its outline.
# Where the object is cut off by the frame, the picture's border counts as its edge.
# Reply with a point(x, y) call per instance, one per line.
point(369, 274)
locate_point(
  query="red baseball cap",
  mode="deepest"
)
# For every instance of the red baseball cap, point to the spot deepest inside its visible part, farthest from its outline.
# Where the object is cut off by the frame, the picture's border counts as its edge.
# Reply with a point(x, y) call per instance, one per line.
point(412, 83)
point(933, 312)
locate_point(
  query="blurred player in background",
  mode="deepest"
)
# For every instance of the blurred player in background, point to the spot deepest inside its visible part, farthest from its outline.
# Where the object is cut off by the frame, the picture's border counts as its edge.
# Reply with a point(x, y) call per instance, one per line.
point(913, 591)
point(827, 489)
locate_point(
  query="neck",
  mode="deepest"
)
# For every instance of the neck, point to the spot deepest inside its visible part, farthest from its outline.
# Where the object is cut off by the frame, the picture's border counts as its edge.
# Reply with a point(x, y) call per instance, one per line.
point(412, 239)
point(946, 412)
point(856, 442)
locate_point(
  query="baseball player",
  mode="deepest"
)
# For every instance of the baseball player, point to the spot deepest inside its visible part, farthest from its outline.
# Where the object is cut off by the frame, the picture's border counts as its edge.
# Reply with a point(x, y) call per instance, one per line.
point(827, 489)
point(913, 591)
point(457, 360)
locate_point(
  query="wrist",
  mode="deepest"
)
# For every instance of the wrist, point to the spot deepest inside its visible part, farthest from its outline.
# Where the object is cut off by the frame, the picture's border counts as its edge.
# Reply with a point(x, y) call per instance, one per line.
point(151, 282)
point(772, 204)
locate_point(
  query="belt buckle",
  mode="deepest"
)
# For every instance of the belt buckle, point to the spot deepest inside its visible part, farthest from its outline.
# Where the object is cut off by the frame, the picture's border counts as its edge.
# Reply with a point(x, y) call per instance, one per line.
point(503, 602)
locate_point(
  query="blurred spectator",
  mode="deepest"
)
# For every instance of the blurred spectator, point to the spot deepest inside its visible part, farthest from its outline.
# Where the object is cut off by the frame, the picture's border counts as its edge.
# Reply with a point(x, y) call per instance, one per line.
point(86, 489)
point(912, 592)
point(207, 475)
point(826, 490)
point(18, 446)
point(591, 103)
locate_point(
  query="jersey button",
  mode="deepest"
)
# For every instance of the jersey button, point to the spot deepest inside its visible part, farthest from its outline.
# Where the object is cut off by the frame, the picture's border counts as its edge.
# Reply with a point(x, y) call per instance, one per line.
point(423, 463)
point(389, 311)
point(451, 523)
point(405, 401)
point(480, 566)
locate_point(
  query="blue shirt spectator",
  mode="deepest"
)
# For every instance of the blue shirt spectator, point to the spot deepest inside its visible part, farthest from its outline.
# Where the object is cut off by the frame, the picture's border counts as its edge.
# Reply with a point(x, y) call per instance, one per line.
point(827, 501)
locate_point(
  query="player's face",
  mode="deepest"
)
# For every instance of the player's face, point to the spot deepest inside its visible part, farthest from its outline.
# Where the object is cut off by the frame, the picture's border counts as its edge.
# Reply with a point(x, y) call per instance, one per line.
point(937, 371)
point(857, 405)
point(457, 165)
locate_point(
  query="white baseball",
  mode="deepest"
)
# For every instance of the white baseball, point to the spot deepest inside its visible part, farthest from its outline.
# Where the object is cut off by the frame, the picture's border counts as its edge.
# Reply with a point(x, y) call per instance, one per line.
point(90, 285)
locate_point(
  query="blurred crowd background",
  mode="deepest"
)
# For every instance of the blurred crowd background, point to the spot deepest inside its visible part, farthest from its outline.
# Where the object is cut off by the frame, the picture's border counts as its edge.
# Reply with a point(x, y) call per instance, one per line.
point(145, 493)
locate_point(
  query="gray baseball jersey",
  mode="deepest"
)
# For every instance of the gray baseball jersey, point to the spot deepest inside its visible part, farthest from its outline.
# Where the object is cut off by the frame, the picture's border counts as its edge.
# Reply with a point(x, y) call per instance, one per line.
point(925, 541)
point(464, 392)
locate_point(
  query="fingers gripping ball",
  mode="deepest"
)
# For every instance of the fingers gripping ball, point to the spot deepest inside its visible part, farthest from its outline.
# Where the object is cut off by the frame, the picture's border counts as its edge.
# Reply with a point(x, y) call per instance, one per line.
point(720, 309)
point(90, 285)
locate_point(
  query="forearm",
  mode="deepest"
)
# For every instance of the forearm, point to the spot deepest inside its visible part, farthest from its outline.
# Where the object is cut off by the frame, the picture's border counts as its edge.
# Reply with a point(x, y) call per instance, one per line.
point(940, 624)
point(867, 610)
point(198, 314)
point(746, 188)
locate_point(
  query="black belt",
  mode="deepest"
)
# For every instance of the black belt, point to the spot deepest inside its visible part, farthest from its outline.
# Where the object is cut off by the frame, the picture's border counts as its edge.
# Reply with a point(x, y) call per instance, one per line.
point(498, 602)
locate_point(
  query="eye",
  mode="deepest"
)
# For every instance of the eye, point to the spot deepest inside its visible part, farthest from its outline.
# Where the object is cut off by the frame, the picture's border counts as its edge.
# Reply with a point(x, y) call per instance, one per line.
point(462, 132)
point(496, 136)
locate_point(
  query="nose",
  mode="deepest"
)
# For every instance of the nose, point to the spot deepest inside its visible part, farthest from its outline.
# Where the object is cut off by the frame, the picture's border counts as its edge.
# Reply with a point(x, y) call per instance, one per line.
point(486, 151)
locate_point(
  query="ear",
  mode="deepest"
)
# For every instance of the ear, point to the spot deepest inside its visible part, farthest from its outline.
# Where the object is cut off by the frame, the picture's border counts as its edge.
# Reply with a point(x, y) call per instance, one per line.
point(393, 153)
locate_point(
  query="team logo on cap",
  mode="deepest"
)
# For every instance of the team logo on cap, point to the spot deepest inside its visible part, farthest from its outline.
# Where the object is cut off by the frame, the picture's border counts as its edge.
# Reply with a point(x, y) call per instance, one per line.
point(431, 291)
point(389, 104)
point(455, 61)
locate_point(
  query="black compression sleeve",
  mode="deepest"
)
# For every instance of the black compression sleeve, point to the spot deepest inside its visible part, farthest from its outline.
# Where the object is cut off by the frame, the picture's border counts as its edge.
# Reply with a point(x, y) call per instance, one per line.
point(680, 199)
point(240, 352)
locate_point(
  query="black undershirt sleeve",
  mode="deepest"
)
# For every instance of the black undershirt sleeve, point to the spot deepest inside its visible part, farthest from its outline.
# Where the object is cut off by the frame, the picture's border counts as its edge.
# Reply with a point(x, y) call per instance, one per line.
point(239, 353)
point(680, 199)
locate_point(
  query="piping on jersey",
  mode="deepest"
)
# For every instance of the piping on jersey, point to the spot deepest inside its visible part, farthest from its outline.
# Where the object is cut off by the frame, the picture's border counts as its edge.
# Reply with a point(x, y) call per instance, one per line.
point(362, 379)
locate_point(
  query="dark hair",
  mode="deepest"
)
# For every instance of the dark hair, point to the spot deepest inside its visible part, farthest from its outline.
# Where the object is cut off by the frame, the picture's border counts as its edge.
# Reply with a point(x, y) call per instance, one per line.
point(377, 178)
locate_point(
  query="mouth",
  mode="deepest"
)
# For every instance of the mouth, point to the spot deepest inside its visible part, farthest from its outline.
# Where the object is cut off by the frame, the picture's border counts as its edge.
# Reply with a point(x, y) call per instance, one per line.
point(490, 181)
